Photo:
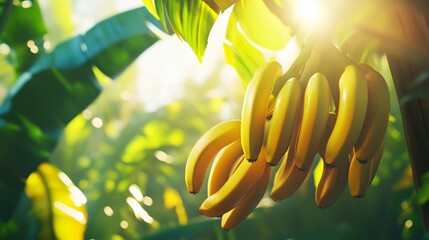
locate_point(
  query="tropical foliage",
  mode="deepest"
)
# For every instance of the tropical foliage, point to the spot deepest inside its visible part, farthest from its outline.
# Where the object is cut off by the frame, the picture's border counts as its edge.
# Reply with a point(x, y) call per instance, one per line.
point(82, 156)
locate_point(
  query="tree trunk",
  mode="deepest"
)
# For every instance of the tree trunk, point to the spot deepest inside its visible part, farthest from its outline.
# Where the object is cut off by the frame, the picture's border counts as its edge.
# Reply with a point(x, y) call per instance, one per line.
point(405, 68)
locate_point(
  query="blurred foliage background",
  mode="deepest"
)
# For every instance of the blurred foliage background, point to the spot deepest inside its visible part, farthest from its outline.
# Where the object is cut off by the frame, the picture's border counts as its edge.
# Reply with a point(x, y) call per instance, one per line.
point(126, 150)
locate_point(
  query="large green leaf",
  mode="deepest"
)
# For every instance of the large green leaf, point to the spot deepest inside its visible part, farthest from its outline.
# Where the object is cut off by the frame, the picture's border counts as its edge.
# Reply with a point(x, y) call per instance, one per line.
point(191, 20)
point(57, 203)
point(58, 87)
point(22, 26)
point(260, 25)
point(240, 53)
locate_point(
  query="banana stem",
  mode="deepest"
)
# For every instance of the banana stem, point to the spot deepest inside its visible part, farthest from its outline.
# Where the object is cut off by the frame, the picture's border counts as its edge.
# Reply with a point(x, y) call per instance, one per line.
point(415, 113)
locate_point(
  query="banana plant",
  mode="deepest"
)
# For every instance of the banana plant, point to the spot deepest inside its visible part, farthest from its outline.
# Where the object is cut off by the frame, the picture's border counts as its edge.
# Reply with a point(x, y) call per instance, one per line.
point(52, 87)
point(364, 30)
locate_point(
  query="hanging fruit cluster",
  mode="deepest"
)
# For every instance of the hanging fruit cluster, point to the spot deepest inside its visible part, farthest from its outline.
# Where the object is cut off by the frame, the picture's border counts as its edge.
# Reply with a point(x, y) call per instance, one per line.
point(338, 110)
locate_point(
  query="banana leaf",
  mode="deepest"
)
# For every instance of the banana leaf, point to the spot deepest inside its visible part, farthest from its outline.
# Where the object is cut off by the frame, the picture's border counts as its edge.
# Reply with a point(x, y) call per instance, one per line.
point(19, 25)
point(191, 20)
point(57, 202)
point(57, 87)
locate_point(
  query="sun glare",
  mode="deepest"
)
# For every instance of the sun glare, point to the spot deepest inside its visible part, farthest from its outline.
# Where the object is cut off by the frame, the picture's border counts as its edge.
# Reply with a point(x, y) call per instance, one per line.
point(309, 12)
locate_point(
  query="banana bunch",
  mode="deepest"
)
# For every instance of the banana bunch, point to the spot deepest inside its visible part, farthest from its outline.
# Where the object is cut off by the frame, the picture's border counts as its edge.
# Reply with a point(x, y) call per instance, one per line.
point(288, 119)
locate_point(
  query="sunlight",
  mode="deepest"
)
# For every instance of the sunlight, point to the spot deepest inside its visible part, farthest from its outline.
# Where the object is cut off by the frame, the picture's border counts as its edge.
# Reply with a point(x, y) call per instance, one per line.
point(163, 157)
point(76, 195)
point(139, 212)
point(108, 211)
point(309, 12)
point(124, 224)
point(135, 191)
point(97, 122)
point(78, 216)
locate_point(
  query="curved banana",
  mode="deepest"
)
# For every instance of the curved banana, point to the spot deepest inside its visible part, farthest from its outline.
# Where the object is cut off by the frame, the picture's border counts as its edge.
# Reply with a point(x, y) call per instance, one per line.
point(287, 179)
point(223, 166)
point(255, 104)
point(317, 100)
point(361, 173)
point(359, 176)
point(350, 115)
point(205, 149)
point(285, 113)
point(320, 52)
point(240, 212)
point(377, 116)
point(236, 188)
point(332, 183)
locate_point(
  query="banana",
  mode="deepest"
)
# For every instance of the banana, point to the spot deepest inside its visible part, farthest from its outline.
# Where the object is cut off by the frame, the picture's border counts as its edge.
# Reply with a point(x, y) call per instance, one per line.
point(317, 100)
point(255, 104)
point(361, 173)
point(285, 113)
point(320, 52)
point(377, 116)
point(205, 149)
point(332, 183)
point(359, 176)
point(223, 166)
point(240, 212)
point(350, 115)
point(288, 178)
point(236, 188)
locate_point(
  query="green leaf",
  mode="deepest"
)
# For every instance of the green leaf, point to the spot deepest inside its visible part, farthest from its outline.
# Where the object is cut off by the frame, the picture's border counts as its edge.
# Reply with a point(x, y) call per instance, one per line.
point(423, 194)
point(59, 86)
point(191, 20)
point(23, 25)
point(57, 203)
point(240, 53)
point(260, 25)
point(150, 5)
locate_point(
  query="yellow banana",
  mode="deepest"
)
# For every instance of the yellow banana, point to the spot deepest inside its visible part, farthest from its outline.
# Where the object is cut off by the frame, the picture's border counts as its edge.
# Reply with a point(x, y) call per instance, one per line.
point(240, 212)
point(332, 183)
point(361, 173)
point(205, 149)
point(377, 116)
point(359, 176)
point(350, 115)
point(223, 166)
point(320, 52)
point(285, 113)
point(317, 100)
point(255, 104)
point(287, 179)
point(236, 188)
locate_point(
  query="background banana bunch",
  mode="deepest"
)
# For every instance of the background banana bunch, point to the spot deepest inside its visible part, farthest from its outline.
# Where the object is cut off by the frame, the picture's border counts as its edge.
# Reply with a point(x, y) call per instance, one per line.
point(335, 111)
